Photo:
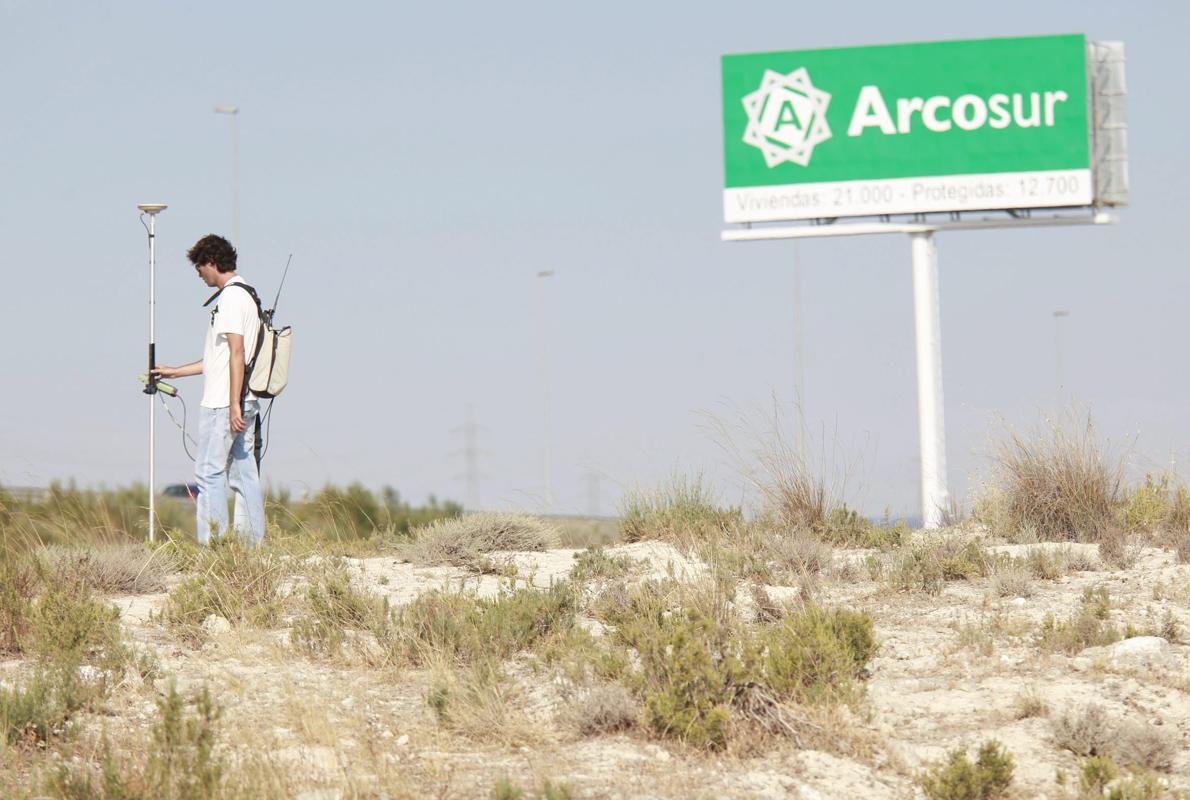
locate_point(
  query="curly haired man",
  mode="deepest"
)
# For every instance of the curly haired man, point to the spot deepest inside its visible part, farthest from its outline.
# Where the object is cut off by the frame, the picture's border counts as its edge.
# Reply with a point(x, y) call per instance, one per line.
point(228, 412)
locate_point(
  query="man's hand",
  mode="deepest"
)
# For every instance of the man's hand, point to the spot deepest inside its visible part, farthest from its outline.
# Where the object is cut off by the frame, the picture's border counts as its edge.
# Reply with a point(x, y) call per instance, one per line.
point(162, 371)
point(237, 418)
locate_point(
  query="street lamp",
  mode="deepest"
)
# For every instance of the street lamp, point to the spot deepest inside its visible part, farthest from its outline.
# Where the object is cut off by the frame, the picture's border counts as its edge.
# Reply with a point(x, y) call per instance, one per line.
point(545, 388)
point(234, 113)
point(1059, 315)
point(799, 397)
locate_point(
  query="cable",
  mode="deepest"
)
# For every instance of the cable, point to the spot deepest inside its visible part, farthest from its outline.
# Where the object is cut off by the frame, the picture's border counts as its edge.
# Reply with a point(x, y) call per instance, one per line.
point(182, 424)
point(267, 419)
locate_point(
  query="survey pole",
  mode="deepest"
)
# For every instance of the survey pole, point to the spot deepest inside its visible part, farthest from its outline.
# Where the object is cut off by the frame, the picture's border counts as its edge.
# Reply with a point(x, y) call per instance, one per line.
point(152, 210)
point(931, 424)
point(543, 365)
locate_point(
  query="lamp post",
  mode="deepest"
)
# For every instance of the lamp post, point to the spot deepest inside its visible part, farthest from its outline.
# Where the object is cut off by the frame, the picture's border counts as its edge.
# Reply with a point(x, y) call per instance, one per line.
point(1059, 315)
point(799, 397)
point(152, 210)
point(545, 389)
point(234, 113)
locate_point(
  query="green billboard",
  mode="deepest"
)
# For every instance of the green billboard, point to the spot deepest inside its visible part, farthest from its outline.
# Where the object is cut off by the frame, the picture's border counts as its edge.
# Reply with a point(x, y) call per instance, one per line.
point(911, 128)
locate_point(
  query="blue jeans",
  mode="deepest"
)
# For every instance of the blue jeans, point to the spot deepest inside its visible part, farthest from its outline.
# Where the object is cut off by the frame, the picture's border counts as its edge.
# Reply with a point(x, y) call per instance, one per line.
point(223, 459)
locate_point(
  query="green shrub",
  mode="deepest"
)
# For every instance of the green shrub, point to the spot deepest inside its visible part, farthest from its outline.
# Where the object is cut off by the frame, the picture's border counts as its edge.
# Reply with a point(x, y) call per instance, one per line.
point(70, 628)
point(696, 667)
point(817, 654)
point(505, 789)
point(689, 668)
point(39, 708)
point(63, 630)
point(956, 778)
point(1098, 780)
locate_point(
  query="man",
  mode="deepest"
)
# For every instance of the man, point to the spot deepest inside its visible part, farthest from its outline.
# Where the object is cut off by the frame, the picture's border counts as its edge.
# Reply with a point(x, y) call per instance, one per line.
point(228, 411)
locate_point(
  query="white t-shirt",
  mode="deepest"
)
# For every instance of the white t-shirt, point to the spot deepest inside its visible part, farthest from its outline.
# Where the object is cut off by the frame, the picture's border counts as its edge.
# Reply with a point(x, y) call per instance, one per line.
point(234, 312)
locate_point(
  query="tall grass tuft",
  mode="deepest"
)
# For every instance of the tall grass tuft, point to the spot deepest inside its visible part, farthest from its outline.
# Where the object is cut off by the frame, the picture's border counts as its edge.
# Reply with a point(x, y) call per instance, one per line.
point(1057, 481)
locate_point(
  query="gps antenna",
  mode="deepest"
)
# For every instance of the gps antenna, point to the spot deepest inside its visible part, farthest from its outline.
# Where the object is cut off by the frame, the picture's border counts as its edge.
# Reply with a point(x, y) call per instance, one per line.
point(280, 287)
point(152, 210)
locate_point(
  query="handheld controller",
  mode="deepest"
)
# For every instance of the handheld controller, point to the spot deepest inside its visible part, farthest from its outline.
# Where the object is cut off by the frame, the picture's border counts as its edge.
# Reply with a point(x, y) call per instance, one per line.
point(159, 386)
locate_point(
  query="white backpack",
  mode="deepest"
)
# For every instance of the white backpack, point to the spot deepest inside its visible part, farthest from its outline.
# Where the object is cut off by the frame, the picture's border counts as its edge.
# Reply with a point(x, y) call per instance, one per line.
point(268, 371)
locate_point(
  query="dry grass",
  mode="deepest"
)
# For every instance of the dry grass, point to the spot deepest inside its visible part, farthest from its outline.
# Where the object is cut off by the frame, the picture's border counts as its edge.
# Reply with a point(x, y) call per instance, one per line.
point(1012, 578)
point(127, 568)
point(1118, 548)
point(480, 702)
point(1029, 704)
point(464, 541)
point(1091, 731)
point(794, 493)
point(603, 709)
point(1057, 481)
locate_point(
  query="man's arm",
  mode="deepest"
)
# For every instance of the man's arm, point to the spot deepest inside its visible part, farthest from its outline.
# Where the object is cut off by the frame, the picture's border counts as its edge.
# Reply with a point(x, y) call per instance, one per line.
point(235, 346)
point(193, 368)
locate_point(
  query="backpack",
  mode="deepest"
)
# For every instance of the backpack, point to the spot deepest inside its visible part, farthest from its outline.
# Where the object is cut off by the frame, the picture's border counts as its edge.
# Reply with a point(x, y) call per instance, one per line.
point(268, 370)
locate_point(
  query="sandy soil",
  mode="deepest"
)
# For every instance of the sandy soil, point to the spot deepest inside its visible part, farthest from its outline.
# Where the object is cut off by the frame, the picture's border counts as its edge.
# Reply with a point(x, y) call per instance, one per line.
point(344, 730)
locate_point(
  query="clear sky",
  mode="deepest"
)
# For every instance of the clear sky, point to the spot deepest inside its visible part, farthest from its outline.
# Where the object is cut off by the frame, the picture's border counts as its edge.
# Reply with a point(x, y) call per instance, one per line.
point(423, 162)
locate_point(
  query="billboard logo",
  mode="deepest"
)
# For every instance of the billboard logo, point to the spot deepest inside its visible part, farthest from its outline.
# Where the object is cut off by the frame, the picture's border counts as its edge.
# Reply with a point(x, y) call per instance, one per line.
point(786, 117)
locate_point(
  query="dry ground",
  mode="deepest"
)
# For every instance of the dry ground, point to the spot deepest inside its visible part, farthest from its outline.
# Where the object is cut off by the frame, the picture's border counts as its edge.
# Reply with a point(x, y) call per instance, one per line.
point(952, 669)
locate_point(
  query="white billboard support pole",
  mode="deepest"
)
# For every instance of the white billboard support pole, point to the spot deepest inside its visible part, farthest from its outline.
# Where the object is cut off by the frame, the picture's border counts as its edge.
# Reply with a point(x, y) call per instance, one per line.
point(931, 423)
point(152, 210)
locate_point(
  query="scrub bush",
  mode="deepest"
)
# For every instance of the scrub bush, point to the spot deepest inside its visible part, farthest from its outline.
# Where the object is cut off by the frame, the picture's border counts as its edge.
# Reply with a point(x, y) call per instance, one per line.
point(464, 541)
point(235, 581)
point(698, 673)
point(122, 568)
point(689, 666)
point(182, 763)
point(464, 629)
point(816, 654)
point(333, 608)
point(927, 567)
point(1088, 626)
point(594, 563)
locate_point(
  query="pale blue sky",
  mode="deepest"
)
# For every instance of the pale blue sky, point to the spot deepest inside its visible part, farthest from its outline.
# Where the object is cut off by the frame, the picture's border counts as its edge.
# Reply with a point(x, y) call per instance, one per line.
point(422, 163)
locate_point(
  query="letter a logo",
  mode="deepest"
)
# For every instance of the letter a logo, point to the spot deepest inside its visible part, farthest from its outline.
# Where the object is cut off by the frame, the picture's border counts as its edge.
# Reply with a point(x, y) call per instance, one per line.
point(786, 117)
